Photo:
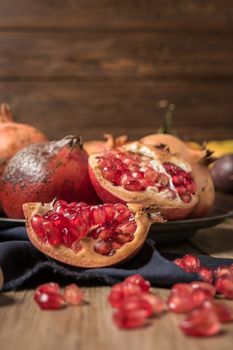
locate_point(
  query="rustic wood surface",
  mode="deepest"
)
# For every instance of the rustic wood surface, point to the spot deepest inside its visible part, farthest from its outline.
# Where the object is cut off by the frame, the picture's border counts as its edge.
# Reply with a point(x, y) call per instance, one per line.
point(24, 325)
point(90, 66)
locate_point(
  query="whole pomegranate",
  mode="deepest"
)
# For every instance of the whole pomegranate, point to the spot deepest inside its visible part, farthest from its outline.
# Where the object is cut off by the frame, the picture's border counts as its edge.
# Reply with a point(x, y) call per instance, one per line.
point(137, 173)
point(88, 235)
point(199, 159)
point(41, 172)
point(14, 136)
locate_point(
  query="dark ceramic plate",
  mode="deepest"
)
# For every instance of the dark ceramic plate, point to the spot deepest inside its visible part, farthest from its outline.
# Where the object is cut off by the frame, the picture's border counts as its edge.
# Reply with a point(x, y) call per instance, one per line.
point(171, 231)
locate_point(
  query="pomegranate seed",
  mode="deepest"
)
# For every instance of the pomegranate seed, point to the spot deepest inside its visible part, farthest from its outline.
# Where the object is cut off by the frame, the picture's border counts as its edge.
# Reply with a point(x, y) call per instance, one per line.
point(127, 227)
point(36, 223)
point(130, 319)
point(52, 232)
point(103, 247)
point(68, 238)
point(224, 286)
point(120, 291)
point(104, 232)
point(201, 323)
point(157, 303)
point(179, 262)
point(137, 303)
point(97, 215)
point(73, 294)
point(209, 288)
point(206, 274)
point(178, 180)
point(180, 298)
point(48, 297)
point(109, 212)
point(139, 281)
point(191, 263)
point(50, 287)
point(222, 271)
point(77, 227)
point(223, 312)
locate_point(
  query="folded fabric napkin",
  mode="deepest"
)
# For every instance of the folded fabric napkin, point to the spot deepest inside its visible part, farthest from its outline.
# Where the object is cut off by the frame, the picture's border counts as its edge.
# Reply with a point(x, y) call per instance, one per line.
point(24, 266)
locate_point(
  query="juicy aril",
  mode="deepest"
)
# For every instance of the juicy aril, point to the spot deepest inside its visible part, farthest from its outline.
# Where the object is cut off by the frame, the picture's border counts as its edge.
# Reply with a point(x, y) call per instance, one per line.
point(88, 236)
point(199, 159)
point(41, 172)
point(142, 174)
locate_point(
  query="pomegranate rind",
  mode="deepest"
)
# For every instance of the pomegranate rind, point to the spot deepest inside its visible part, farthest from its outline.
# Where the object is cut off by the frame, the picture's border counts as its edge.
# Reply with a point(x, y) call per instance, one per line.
point(171, 208)
point(197, 159)
point(87, 257)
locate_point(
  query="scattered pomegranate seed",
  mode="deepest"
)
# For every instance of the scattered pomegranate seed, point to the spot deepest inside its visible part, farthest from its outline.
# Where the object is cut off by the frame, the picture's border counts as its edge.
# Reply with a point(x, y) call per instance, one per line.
point(224, 286)
point(206, 274)
point(158, 304)
point(48, 297)
point(137, 303)
point(201, 323)
point(73, 294)
point(191, 263)
point(139, 281)
point(222, 271)
point(223, 311)
point(121, 291)
point(130, 318)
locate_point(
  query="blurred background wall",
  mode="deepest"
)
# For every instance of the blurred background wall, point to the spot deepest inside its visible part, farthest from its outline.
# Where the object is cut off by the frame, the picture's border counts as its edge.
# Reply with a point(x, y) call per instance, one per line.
point(94, 66)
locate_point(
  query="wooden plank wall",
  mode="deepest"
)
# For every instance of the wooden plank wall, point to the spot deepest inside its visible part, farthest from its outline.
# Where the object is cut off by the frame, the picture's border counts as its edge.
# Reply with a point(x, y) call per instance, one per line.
point(94, 66)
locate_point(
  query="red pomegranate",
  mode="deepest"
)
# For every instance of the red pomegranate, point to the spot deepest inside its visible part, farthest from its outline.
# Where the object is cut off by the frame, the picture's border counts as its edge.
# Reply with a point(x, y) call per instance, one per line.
point(88, 236)
point(142, 174)
point(96, 146)
point(14, 136)
point(41, 172)
point(199, 159)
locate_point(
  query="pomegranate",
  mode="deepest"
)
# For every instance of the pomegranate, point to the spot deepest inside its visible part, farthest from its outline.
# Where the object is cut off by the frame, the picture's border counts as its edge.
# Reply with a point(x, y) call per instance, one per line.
point(14, 136)
point(224, 286)
point(142, 174)
point(96, 146)
point(199, 159)
point(41, 172)
point(88, 236)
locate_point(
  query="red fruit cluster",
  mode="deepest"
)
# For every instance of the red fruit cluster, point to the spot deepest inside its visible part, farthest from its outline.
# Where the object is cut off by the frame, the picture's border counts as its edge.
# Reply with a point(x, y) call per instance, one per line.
point(49, 296)
point(191, 263)
point(134, 302)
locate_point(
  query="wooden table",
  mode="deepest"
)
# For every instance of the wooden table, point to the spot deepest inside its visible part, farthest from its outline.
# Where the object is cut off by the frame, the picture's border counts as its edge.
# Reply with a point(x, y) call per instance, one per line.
point(24, 326)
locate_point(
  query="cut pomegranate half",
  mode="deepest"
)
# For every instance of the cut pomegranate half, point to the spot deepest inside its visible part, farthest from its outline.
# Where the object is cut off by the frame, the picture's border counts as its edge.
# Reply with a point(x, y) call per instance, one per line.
point(88, 236)
point(138, 173)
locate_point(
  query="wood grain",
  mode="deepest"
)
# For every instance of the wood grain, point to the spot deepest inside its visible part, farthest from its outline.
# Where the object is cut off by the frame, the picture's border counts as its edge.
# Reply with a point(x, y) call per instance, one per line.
point(115, 56)
point(169, 15)
point(58, 109)
point(90, 327)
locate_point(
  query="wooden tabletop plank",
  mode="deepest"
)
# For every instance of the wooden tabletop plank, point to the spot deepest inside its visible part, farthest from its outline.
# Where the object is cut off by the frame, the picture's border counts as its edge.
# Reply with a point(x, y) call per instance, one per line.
point(25, 326)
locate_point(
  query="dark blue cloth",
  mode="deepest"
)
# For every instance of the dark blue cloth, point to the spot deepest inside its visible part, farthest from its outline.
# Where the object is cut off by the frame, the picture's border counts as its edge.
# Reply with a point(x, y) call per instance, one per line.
point(24, 266)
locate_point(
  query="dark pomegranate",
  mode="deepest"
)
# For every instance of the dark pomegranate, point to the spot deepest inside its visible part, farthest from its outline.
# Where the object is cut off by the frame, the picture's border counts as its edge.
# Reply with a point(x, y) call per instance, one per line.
point(41, 172)
point(88, 236)
point(142, 174)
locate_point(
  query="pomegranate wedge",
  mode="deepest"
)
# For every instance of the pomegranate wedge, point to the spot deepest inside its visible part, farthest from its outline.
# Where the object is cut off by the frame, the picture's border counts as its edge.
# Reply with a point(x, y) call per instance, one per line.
point(88, 236)
point(138, 173)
